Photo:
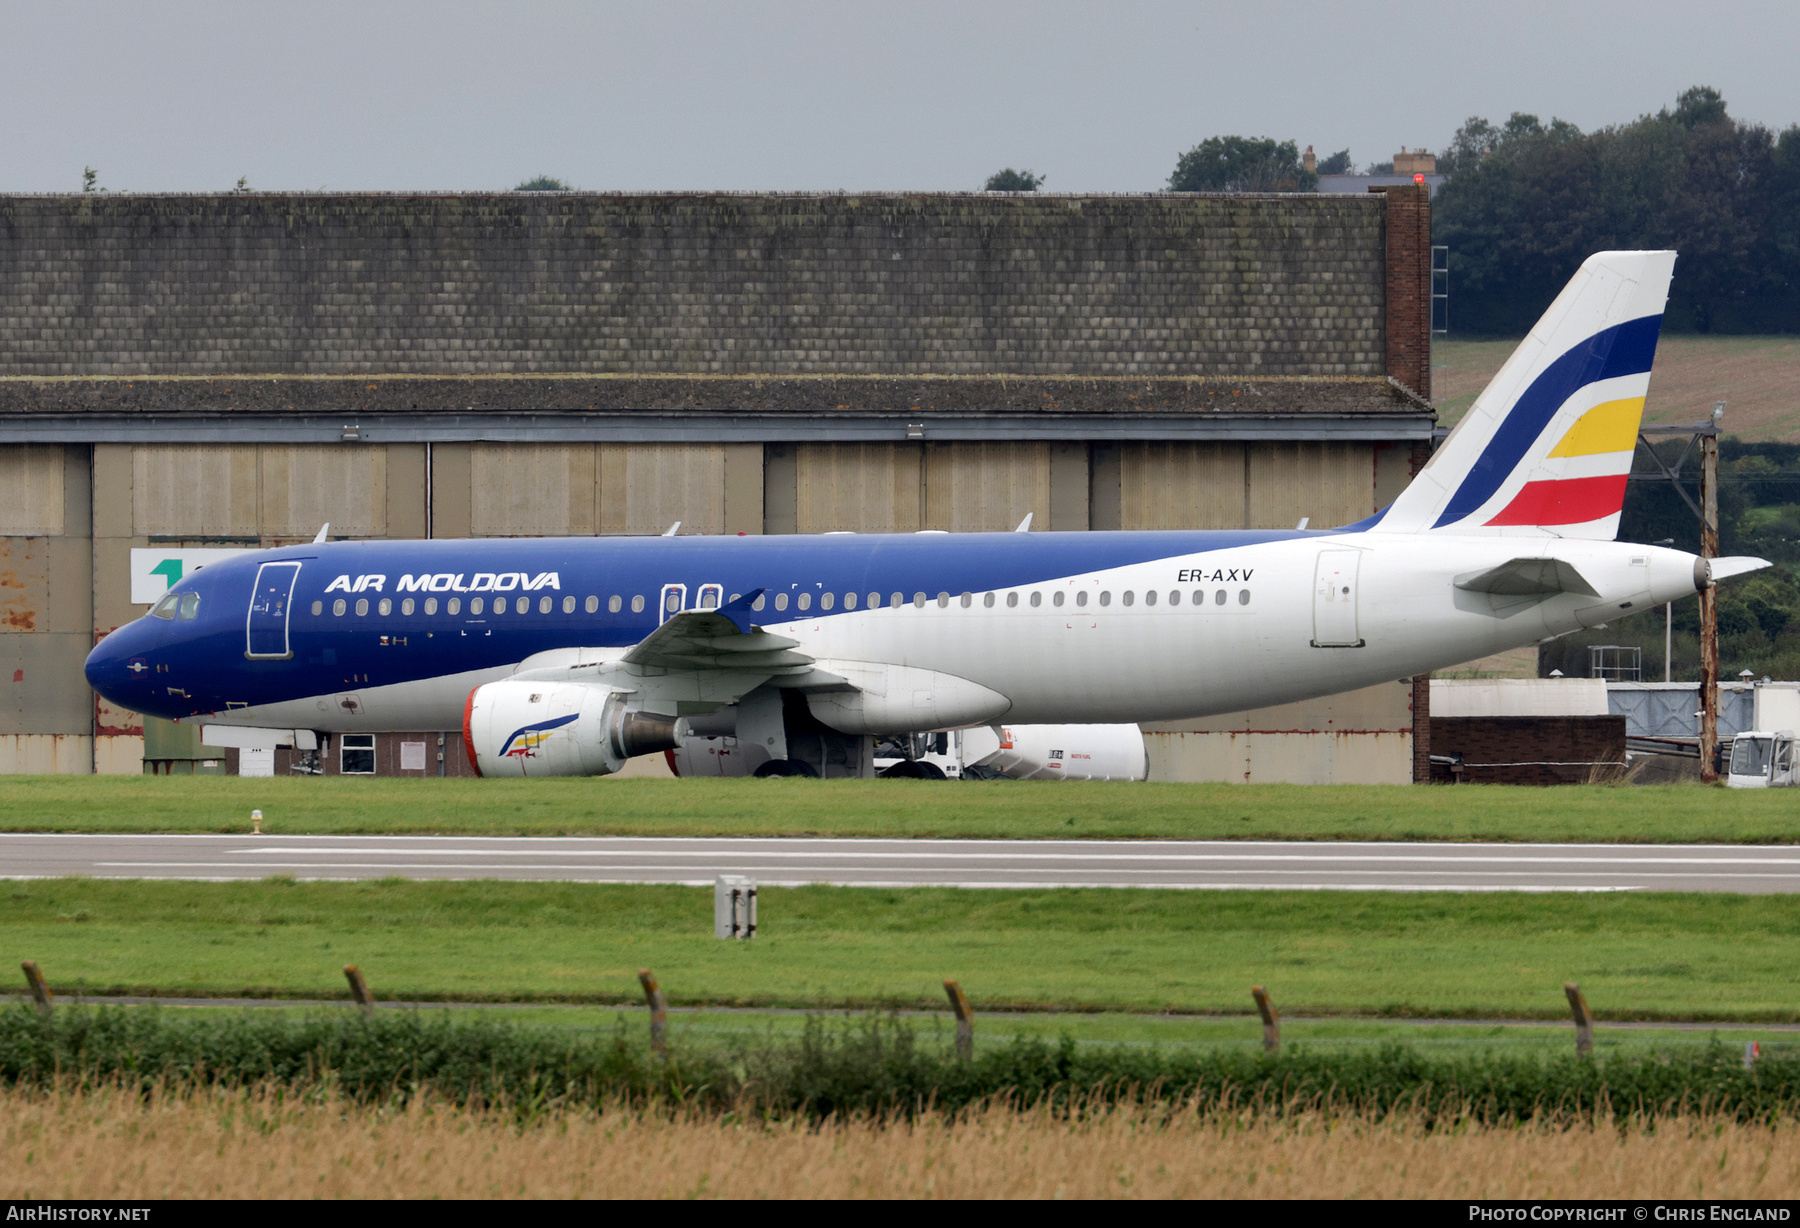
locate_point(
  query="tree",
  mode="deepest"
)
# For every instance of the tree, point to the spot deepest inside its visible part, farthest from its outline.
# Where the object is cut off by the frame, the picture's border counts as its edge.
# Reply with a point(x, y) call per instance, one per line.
point(90, 179)
point(1337, 164)
point(1242, 164)
point(1010, 180)
point(543, 183)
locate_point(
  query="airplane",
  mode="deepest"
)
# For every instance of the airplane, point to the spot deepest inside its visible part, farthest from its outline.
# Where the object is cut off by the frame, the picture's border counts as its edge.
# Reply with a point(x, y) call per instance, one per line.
point(569, 656)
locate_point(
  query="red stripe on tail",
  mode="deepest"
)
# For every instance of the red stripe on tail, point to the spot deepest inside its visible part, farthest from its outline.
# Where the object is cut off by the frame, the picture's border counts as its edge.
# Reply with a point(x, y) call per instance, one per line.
point(1569, 501)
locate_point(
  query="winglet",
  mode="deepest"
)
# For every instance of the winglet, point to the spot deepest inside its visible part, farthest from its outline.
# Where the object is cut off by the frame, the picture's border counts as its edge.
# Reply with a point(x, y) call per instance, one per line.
point(738, 610)
point(1025, 524)
point(672, 530)
point(324, 531)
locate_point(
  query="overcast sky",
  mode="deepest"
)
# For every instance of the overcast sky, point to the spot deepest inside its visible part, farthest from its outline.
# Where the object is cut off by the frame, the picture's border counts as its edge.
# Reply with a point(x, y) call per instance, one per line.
point(821, 96)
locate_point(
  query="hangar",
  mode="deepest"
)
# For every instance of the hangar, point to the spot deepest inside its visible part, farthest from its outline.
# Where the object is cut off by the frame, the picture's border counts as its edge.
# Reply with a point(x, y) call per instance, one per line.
point(184, 373)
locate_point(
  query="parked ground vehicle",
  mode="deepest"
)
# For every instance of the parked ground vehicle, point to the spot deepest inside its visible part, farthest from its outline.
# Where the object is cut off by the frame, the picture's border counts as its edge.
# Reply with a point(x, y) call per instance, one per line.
point(1762, 760)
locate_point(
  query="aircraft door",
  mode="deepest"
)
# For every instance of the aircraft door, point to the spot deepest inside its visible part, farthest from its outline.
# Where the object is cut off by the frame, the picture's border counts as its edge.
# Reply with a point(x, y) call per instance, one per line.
point(266, 629)
point(1334, 600)
point(673, 601)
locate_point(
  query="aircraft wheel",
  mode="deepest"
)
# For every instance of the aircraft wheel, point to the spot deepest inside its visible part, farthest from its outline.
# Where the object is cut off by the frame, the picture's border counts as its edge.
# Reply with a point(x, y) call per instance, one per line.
point(909, 769)
point(786, 767)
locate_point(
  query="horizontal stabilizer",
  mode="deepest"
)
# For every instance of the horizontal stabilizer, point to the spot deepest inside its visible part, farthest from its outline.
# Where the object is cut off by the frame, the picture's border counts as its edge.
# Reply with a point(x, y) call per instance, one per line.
point(1527, 578)
point(1724, 569)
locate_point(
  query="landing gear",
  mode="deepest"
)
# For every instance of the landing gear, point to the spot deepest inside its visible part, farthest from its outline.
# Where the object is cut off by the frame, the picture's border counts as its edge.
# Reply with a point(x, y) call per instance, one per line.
point(913, 769)
point(787, 767)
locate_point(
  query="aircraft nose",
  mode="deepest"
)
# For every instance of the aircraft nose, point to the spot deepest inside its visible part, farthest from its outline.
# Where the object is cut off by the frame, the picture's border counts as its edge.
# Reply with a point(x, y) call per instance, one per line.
point(108, 666)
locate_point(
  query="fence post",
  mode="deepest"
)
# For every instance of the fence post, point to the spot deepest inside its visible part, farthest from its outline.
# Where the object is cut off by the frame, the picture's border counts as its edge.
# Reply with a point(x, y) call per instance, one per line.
point(965, 1021)
point(359, 990)
point(39, 990)
point(1584, 1018)
point(659, 1012)
point(1270, 1017)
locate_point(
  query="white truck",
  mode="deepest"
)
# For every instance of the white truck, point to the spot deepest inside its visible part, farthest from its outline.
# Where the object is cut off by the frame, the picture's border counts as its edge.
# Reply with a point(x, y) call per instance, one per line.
point(1763, 760)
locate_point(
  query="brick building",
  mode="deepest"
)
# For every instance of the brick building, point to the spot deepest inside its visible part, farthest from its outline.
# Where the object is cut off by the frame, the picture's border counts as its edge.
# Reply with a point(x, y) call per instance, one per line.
point(191, 372)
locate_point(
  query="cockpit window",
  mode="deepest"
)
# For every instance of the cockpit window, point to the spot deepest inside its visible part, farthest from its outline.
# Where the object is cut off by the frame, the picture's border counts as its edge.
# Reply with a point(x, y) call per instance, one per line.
point(190, 606)
point(167, 607)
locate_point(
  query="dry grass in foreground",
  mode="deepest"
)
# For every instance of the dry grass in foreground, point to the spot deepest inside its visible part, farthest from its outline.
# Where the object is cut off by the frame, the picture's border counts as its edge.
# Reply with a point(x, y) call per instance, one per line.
point(213, 1144)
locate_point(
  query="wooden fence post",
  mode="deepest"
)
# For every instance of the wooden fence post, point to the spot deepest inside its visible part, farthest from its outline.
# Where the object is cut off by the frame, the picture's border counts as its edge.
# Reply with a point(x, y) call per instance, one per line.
point(965, 1021)
point(659, 1012)
point(39, 990)
point(1584, 1018)
point(359, 990)
point(1271, 1019)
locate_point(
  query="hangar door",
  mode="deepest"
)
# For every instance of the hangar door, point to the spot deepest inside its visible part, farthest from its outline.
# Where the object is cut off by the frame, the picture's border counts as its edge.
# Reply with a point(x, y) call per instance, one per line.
point(1334, 600)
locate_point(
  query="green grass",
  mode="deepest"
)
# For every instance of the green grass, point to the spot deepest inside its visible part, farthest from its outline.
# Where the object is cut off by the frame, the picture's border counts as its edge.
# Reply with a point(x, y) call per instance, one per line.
point(1320, 953)
point(991, 809)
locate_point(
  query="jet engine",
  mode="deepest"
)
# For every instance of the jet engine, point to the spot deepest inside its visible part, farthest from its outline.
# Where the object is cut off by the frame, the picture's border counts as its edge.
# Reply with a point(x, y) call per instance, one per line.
point(522, 728)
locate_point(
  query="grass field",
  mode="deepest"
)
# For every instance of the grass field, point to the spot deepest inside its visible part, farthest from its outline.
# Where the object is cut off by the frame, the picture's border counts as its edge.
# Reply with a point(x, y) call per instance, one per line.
point(1320, 953)
point(258, 1144)
point(986, 809)
point(1754, 376)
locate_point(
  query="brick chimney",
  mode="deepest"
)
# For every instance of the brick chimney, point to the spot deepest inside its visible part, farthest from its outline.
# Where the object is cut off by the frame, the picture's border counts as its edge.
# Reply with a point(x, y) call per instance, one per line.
point(1415, 162)
point(1309, 162)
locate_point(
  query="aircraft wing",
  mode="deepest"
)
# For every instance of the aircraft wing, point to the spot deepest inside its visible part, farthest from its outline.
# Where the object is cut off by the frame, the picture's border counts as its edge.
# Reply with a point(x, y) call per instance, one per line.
point(709, 640)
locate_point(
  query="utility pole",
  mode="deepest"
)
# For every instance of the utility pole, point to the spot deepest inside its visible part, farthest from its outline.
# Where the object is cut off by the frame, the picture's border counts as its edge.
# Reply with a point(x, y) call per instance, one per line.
point(1709, 601)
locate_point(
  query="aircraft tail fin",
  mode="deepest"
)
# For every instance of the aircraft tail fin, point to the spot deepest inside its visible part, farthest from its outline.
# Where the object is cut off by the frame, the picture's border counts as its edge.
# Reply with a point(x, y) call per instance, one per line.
point(1545, 449)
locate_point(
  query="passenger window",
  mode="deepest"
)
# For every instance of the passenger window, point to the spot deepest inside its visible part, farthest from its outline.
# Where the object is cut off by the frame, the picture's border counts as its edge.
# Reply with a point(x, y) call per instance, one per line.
point(385, 608)
point(1149, 597)
point(521, 606)
point(568, 605)
point(406, 607)
point(1126, 597)
point(1174, 597)
point(804, 601)
point(1081, 598)
point(987, 600)
point(849, 601)
point(167, 606)
point(918, 601)
point(637, 604)
point(362, 607)
point(1012, 601)
point(543, 604)
point(1056, 598)
point(1244, 596)
point(761, 600)
point(1105, 598)
point(968, 599)
point(1199, 597)
point(430, 605)
point(943, 600)
point(614, 603)
point(476, 605)
point(781, 601)
point(338, 607)
point(591, 605)
point(1219, 597)
point(318, 608)
point(453, 606)
point(826, 600)
point(896, 601)
point(1037, 599)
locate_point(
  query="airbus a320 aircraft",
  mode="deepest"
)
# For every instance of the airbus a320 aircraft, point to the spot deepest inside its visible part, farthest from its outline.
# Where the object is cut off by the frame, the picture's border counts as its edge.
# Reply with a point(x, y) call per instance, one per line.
point(569, 656)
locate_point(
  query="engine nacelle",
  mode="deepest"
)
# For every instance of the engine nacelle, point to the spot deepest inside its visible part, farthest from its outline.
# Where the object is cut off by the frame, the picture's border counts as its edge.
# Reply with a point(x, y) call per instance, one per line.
point(516, 728)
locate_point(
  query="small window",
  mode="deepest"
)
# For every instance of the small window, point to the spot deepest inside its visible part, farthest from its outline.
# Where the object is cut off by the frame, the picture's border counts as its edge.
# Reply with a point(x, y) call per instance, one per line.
point(896, 601)
point(1037, 599)
point(543, 604)
point(849, 601)
point(476, 605)
point(1081, 598)
point(190, 606)
point(168, 605)
point(1056, 598)
point(1149, 597)
point(362, 607)
point(592, 604)
point(338, 607)
point(1174, 596)
point(825, 601)
point(1105, 598)
point(522, 605)
point(943, 600)
point(987, 600)
point(453, 606)
point(1012, 601)
point(406, 606)
point(1199, 597)
point(672, 603)
point(637, 604)
point(385, 608)
point(431, 605)
point(968, 599)
point(356, 754)
point(318, 608)
point(614, 604)
point(804, 601)
point(918, 601)
point(761, 600)
point(1244, 596)
point(781, 601)
point(568, 605)
point(1219, 597)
